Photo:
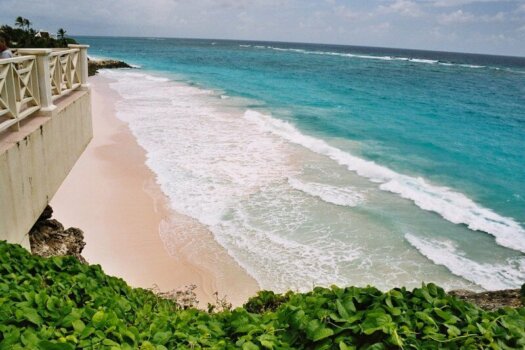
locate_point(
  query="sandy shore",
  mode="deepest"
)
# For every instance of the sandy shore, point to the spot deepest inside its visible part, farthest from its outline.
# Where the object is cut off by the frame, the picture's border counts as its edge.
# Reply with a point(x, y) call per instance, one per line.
point(129, 227)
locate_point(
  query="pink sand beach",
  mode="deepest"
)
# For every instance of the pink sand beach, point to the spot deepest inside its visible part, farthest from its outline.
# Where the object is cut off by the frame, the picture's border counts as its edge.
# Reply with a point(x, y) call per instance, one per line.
point(129, 227)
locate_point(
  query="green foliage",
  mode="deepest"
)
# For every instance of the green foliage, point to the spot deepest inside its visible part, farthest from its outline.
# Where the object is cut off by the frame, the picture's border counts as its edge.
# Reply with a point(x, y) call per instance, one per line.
point(61, 304)
point(24, 36)
point(266, 300)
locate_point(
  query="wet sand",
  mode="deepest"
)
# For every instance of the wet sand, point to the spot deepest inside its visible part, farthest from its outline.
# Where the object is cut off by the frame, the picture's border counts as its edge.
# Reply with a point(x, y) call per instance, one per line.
point(129, 227)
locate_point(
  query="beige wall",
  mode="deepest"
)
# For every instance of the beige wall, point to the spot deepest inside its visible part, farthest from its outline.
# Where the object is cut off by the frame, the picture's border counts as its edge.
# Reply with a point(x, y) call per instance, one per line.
point(35, 160)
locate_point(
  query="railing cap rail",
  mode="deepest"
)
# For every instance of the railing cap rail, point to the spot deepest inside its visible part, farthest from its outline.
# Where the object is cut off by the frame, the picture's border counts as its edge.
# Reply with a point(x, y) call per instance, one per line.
point(17, 59)
point(36, 52)
point(78, 46)
point(63, 52)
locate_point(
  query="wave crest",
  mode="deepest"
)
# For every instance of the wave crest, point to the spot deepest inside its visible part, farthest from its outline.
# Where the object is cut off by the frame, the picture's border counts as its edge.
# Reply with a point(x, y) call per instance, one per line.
point(452, 206)
point(489, 276)
point(344, 196)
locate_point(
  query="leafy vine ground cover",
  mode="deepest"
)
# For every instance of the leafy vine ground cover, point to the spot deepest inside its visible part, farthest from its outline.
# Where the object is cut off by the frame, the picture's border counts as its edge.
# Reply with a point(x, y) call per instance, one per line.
point(61, 304)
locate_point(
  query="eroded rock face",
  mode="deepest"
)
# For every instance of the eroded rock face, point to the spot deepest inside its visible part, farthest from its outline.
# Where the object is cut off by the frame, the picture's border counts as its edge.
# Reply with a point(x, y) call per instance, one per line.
point(491, 300)
point(95, 65)
point(49, 238)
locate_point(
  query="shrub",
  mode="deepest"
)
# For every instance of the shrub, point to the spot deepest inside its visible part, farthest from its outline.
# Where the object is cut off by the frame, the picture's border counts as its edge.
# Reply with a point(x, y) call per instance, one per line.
point(61, 304)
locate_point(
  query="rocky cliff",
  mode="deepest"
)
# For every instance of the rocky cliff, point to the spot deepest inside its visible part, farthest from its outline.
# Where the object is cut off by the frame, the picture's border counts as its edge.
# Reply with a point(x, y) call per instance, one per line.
point(95, 65)
point(49, 238)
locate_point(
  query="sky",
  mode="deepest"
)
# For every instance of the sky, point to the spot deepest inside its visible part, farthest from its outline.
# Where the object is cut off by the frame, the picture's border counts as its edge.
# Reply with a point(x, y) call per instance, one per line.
point(480, 26)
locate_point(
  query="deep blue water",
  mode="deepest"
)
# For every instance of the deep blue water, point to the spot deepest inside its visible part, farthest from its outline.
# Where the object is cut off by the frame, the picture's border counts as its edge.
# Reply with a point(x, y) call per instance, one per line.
point(454, 120)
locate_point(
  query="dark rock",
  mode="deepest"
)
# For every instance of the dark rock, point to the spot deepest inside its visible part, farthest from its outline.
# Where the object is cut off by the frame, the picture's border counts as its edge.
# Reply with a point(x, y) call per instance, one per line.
point(48, 238)
point(491, 300)
point(46, 214)
point(95, 65)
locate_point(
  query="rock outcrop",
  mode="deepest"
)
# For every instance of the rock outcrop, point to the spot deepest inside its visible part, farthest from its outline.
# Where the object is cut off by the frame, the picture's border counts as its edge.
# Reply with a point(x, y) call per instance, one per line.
point(49, 238)
point(491, 300)
point(95, 65)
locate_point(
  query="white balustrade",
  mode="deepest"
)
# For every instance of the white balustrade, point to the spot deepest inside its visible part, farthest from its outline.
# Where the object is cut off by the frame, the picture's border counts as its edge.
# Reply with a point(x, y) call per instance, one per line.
point(35, 78)
point(65, 75)
point(19, 93)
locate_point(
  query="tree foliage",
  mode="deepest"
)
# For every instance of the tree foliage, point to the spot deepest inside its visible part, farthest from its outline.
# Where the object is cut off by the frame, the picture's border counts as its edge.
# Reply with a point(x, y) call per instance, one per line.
point(23, 35)
point(61, 304)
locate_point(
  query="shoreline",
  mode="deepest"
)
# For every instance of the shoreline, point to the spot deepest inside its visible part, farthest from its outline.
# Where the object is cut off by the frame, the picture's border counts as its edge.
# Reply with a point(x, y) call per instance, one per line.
point(129, 227)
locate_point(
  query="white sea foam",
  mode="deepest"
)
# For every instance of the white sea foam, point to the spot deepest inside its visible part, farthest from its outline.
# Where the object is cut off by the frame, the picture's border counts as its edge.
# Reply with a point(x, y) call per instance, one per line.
point(204, 158)
point(233, 172)
point(452, 206)
point(277, 260)
point(211, 163)
point(344, 196)
point(471, 66)
point(382, 58)
point(290, 50)
point(372, 57)
point(420, 60)
point(510, 274)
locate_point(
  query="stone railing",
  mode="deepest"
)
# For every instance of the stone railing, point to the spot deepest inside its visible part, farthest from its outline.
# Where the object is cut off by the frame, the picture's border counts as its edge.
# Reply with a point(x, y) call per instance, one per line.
point(33, 79)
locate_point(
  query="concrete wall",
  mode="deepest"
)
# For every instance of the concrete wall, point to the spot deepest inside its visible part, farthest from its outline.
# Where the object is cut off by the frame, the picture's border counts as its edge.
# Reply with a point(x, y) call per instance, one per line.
point(35, 160)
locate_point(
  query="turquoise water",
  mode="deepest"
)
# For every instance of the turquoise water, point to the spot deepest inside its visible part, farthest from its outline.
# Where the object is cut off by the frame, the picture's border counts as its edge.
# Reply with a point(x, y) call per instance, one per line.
point(315, 164)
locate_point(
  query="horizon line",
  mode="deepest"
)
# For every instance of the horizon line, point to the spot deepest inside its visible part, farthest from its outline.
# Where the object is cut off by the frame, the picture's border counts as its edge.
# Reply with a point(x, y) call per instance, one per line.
point(296, 42)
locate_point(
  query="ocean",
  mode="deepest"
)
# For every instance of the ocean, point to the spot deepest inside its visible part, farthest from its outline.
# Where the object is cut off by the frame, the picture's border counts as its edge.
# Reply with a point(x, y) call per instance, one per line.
point(324, 164)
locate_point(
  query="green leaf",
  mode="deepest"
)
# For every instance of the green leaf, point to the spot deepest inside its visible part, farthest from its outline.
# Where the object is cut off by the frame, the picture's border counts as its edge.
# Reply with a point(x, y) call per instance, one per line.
point(249, 346)
point(443, 314)
point(57, 261)
point(395, 339)
point(129, 337)
point(29, 338)
point(343, 346)
point(376, 346)
point(147, 346)
point(88, 330)
point(78, 325)
point(453, 331)
point(341, 310)
point(161, 337)
point(432, 289)
point(47, 345)
point(69, 319)
point(32, 316)
point(376, 321)
point(322, 333)
point(297, 317)
point(267, 344)
point(425, 318)
point(98, 318)
point(109, 342)
point(349, 305)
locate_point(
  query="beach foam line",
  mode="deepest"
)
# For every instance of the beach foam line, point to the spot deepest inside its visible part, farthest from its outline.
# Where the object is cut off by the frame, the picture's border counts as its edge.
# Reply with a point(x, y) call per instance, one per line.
point(489, 276)
point(282, 263)
point(344, 196)
point(452, 206)
point(219, 168)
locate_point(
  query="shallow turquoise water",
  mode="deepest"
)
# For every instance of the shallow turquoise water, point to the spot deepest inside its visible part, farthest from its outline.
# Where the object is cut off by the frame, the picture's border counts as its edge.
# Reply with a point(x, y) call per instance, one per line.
point(398, 163)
